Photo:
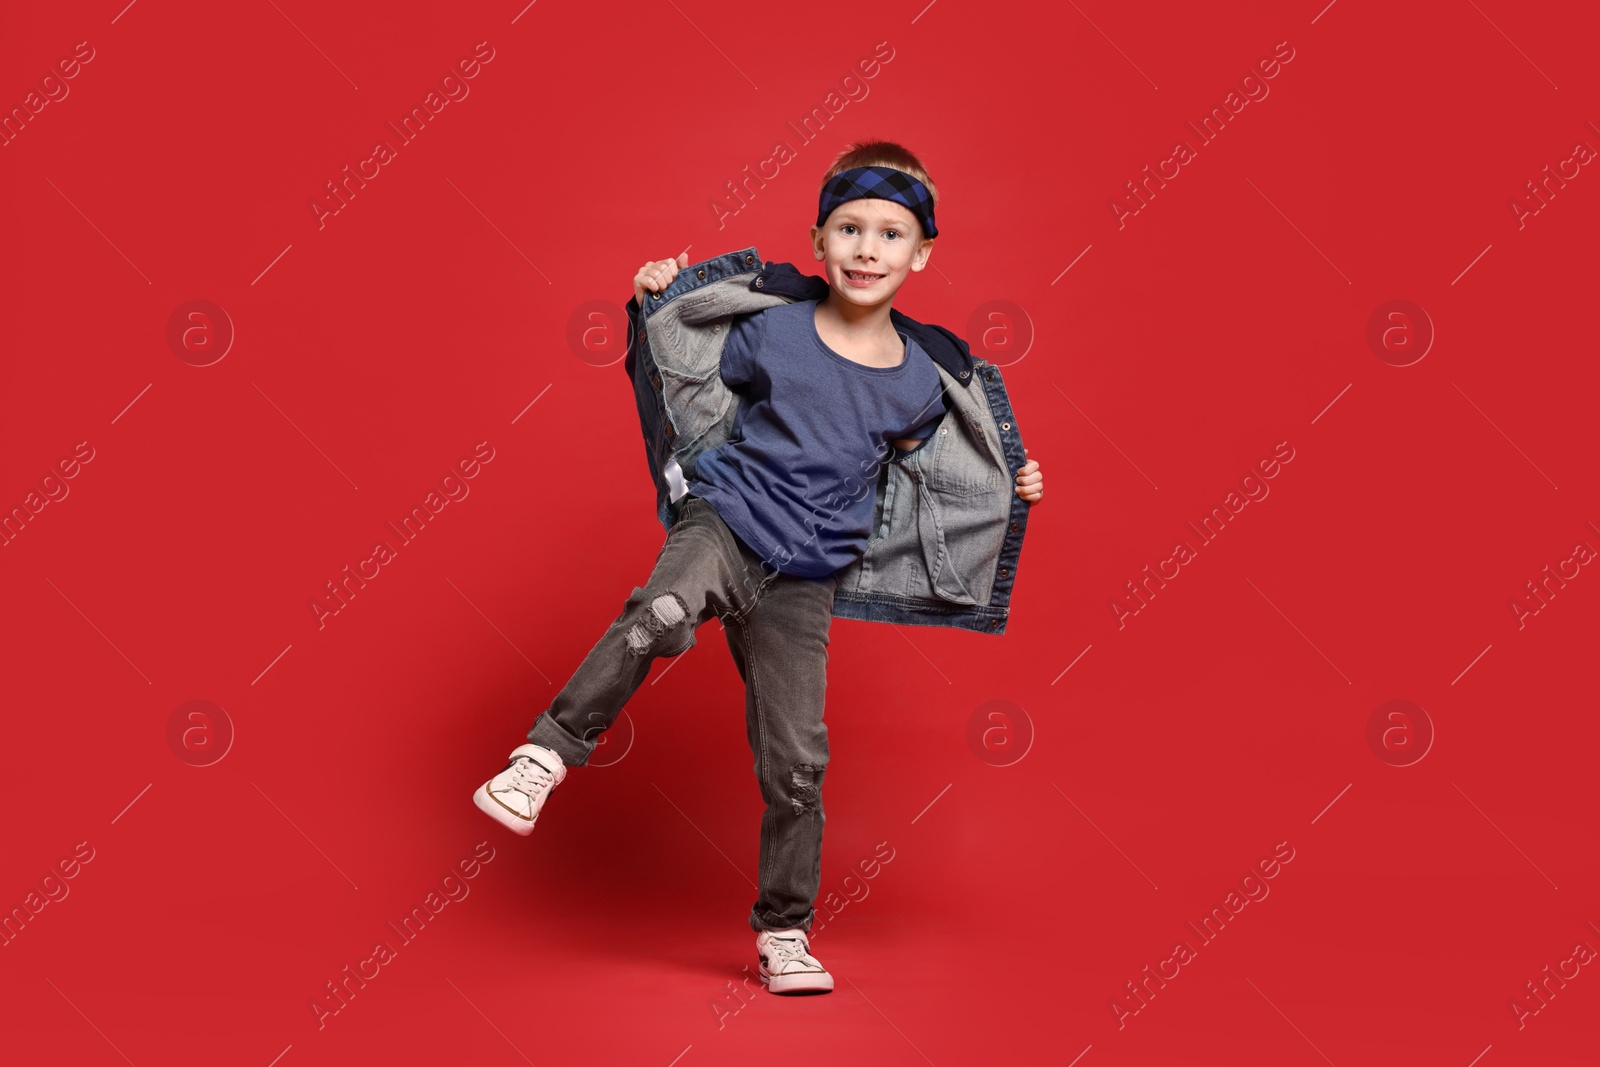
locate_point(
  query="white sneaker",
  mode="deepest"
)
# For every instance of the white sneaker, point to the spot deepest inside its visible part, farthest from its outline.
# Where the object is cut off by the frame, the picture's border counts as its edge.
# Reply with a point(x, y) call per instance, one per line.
point(787, 965)
point(514, 796)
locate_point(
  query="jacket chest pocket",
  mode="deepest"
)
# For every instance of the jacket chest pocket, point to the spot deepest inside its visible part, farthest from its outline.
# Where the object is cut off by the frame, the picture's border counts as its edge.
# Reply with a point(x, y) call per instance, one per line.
point(688, 352)
point(954, 463)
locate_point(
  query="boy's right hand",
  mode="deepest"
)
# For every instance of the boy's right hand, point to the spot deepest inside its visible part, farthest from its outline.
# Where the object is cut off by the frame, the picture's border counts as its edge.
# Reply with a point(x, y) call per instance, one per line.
point(656, 275)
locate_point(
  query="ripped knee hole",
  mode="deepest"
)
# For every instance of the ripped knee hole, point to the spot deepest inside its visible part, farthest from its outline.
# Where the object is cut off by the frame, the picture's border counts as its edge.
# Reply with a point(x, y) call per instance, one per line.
point(666, 611)
point(803, 778)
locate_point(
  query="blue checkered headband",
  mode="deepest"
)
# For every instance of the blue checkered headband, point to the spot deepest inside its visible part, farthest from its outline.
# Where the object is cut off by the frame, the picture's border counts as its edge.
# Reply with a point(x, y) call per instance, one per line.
point(882, 183)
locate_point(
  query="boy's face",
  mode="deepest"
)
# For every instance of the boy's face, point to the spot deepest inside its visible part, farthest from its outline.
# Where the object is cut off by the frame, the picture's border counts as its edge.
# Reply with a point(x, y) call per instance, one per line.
point(868, 248)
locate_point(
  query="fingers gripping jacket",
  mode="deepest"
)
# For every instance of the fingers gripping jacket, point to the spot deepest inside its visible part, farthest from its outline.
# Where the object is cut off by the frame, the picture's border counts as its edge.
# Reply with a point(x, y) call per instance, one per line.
point(666, 611)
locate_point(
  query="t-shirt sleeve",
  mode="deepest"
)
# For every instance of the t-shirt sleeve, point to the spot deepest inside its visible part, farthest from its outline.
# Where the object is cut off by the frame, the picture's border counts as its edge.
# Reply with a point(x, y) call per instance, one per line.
point(930, 415)
point(739, 351)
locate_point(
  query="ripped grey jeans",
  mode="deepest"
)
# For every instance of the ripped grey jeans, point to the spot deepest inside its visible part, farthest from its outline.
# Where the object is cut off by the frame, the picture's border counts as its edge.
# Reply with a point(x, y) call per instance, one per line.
point(777, 629)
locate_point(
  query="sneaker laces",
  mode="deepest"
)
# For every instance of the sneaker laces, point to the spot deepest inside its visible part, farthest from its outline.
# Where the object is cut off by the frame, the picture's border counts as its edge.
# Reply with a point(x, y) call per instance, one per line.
point(788, 949)
point(528, 776)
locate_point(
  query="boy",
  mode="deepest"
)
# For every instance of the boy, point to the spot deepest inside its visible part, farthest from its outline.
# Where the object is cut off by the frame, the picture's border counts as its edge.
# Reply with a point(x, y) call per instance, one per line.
point(826, 387)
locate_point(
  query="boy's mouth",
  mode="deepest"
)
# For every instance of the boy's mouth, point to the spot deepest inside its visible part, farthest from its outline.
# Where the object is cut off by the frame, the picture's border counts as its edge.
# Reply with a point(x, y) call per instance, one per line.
point(861, 277)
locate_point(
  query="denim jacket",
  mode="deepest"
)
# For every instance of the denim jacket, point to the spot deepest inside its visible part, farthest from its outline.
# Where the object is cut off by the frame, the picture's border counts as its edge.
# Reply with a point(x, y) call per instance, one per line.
point(947, 521)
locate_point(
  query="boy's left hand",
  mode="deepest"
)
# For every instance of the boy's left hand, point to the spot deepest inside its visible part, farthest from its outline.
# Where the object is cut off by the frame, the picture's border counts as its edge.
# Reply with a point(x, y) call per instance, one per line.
point(1030, 482)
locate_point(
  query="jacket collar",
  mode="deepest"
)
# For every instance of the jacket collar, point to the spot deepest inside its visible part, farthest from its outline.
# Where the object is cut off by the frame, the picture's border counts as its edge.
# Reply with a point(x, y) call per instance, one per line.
point(945, 348)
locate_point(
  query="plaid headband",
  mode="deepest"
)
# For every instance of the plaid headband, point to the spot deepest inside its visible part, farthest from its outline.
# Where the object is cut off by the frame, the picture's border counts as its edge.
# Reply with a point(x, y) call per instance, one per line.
point(883, 183)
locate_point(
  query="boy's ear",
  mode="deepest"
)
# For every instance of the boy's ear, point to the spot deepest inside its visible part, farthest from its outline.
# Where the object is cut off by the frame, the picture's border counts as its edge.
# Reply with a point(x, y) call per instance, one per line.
point(924, 250)
point(816, 241)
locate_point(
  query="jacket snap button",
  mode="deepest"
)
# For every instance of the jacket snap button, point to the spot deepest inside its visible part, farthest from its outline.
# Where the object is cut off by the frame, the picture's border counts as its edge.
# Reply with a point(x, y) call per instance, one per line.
point(759, 283)
point(655, 296)
point(1015, 527)
point(701, 273)
point(988, 375)
point(994, 624)
point(965, 373)
point(749, 259)
point(1005, 426)
point(1005, 572)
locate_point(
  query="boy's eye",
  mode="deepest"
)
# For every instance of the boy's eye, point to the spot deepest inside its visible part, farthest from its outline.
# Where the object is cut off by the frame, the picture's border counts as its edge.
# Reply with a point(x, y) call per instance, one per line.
point(895, 232)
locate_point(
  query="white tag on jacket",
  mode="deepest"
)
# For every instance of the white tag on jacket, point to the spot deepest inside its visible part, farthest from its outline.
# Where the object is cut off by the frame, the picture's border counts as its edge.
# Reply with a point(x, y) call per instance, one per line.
point(674, 476)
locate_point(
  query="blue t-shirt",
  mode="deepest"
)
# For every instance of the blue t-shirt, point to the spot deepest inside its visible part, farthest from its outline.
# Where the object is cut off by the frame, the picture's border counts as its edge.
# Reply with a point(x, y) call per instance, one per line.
point(796, 478)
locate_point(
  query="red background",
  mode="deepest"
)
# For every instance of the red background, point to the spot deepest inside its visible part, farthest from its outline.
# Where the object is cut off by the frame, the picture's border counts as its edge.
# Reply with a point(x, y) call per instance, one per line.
point(1227, 716)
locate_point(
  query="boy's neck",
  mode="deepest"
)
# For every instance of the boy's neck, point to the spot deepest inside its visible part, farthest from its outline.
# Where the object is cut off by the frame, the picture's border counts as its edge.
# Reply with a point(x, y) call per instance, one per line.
point(857, 320)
